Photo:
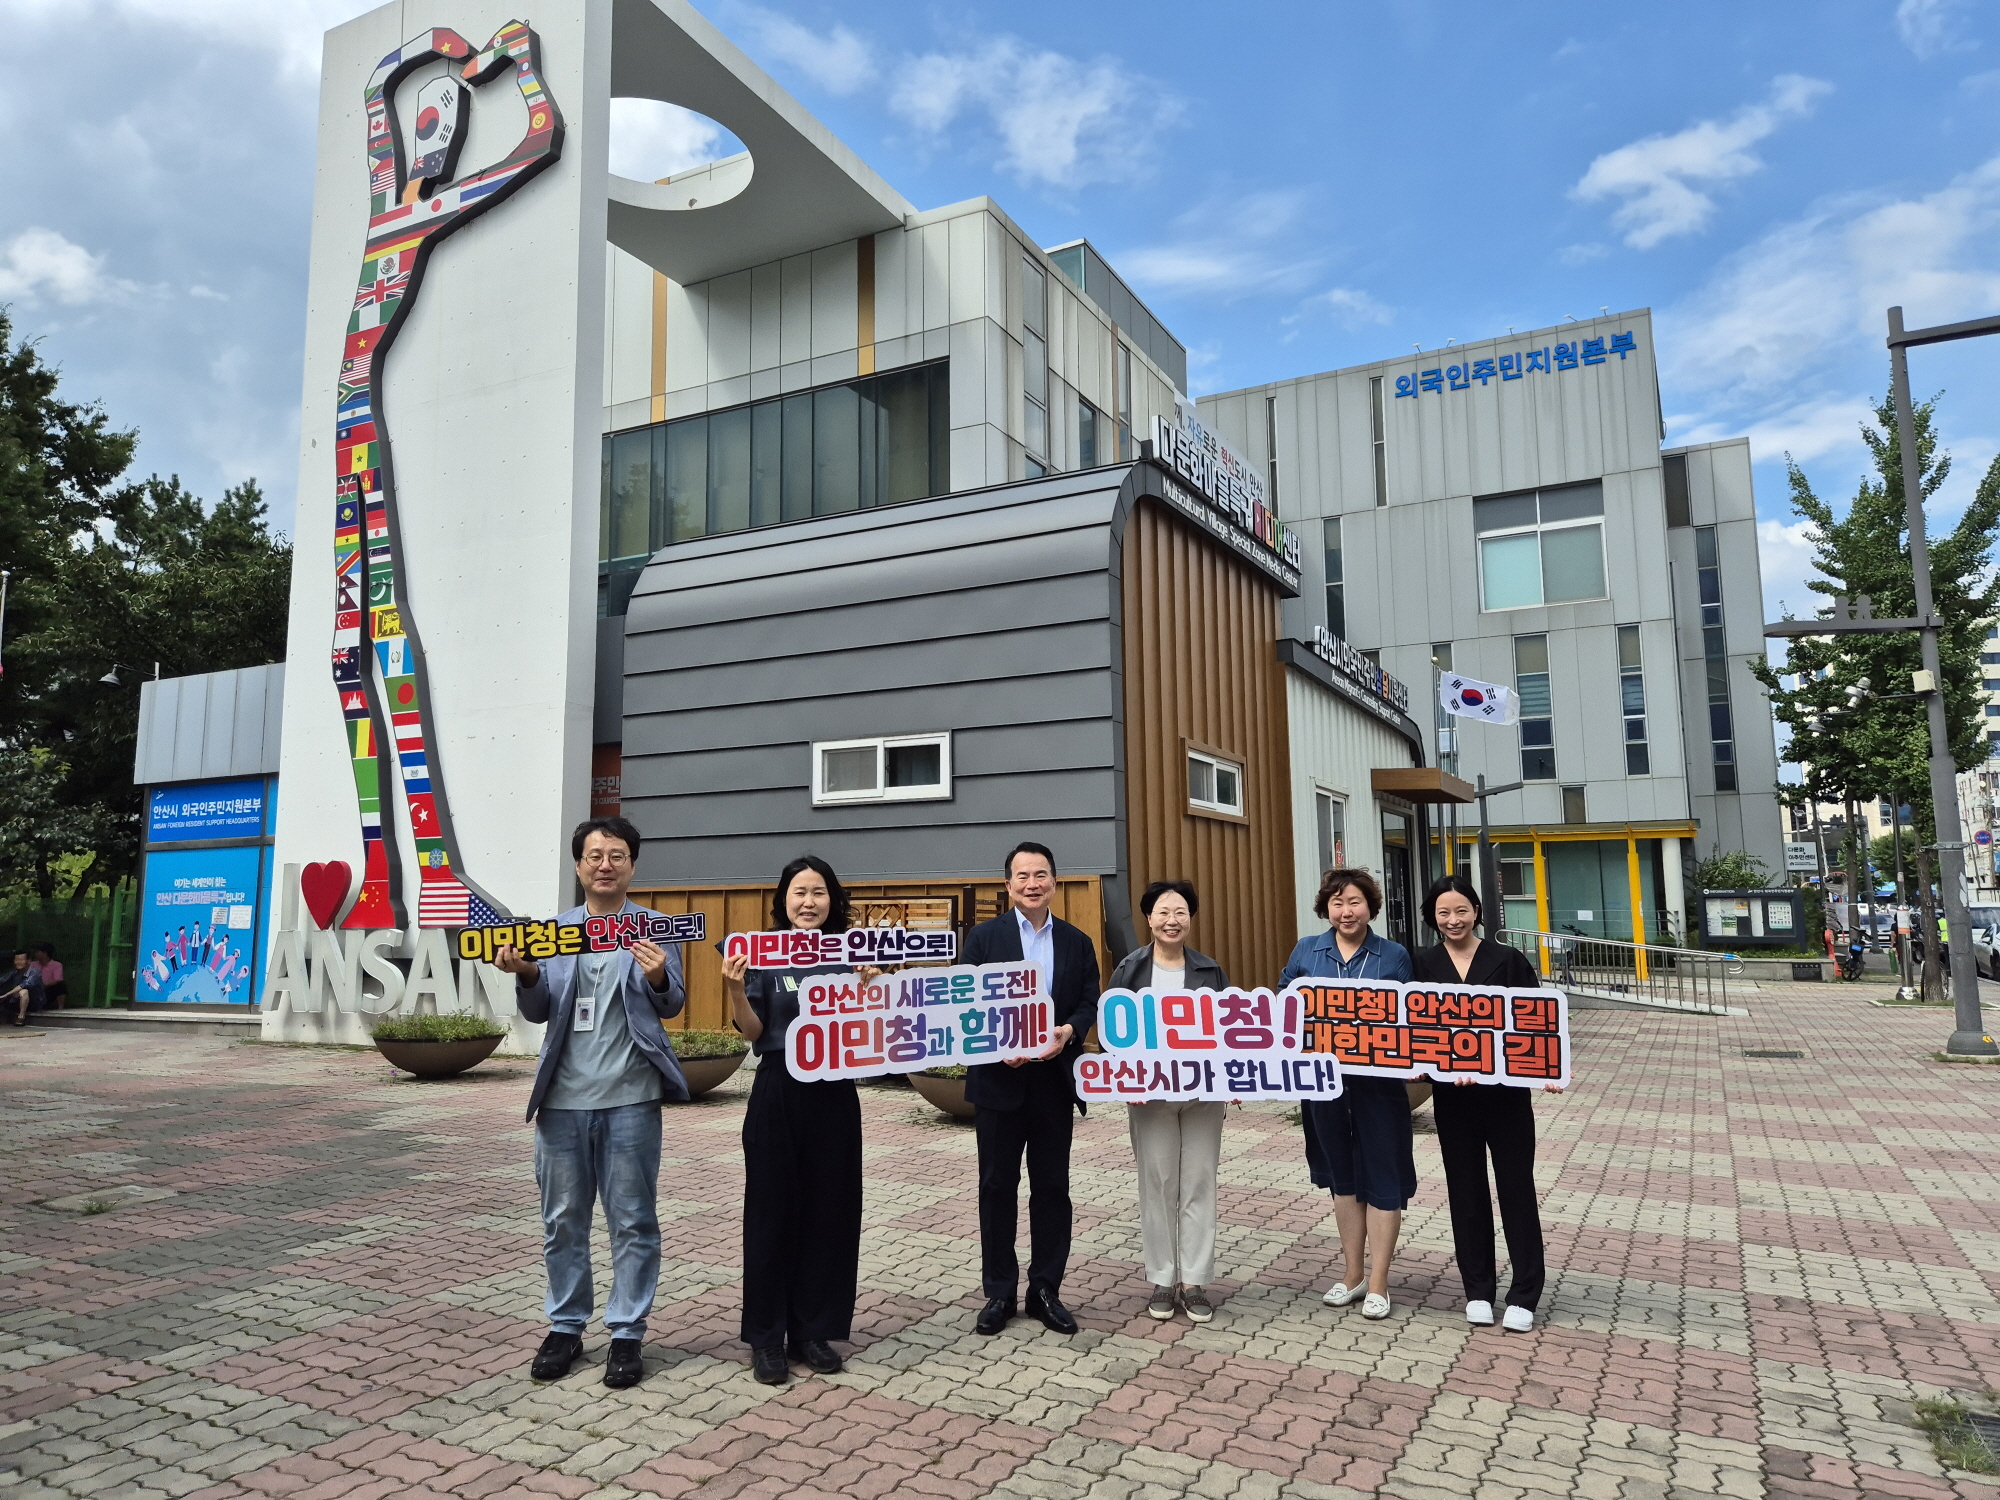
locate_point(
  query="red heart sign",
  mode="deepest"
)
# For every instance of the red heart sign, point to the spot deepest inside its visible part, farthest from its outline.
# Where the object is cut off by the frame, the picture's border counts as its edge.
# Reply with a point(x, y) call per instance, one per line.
point(325, 889)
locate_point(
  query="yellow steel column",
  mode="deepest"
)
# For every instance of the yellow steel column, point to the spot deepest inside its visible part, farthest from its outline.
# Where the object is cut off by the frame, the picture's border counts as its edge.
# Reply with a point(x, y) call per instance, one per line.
point(1638, 896)
point(1541, 897)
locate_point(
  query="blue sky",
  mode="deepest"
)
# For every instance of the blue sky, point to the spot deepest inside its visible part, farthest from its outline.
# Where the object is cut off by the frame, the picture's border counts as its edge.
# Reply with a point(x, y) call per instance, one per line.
point(1291, 187)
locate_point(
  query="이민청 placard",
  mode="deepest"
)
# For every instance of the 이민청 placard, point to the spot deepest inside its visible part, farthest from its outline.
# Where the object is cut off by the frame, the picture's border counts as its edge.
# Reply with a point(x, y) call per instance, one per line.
point(1383, 1029)
point(540, 940)
point(900, 1023)
point(864, 947)
point(1211, 1044)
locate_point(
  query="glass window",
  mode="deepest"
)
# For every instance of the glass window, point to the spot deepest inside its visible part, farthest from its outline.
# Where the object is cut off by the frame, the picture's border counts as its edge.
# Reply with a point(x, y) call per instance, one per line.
point(836, 450)
point(1086, 435)
point(1674, 470)
point(729, 470)
point(1545, 547)
point(1531, 685)
point(1510, 572)
point(1034, 297)
point(877, 441)
point(1121, 363)
point(1336, 579)
point(1332, 818)
point(894, 768)
point(1573, 808)
point(687, 478)
point(1715, 654)
point(1376, 428)
point(1271, 449)
point(1214, 784)
point(1632, 701)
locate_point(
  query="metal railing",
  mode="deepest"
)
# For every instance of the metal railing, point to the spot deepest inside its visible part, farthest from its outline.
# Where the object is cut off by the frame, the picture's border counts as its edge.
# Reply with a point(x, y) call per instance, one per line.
point(1688, 979)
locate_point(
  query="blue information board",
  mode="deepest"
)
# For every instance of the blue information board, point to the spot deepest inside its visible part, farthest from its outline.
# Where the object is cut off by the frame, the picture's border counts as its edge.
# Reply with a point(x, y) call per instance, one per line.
point(198, 929)
point(207, 810)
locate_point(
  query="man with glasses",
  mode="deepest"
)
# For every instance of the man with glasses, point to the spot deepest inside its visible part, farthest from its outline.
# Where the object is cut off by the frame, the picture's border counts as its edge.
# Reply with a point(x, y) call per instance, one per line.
point(605, 1069)
point(1022, 1108)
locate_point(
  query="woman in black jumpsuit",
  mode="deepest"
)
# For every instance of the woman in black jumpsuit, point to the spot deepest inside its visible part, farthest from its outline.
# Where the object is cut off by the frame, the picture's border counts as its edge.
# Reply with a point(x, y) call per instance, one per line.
point(801, 1156)
point(1474, 1119)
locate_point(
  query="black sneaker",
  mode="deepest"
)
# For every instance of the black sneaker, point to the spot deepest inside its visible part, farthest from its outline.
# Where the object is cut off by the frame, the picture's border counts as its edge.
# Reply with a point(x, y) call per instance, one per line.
point(817, 1355)
point(624, 1367)
point(769, 1366)
point(557, 1354)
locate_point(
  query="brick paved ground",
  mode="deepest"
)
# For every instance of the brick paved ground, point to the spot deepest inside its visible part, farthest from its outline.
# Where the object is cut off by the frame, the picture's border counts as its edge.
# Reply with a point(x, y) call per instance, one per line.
point(1758, 1265)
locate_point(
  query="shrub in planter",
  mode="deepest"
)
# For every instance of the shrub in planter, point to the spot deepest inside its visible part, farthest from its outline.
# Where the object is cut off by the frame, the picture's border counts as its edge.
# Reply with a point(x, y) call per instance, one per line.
point(708, 1057)
point(944, 1088)
point(436, 1046)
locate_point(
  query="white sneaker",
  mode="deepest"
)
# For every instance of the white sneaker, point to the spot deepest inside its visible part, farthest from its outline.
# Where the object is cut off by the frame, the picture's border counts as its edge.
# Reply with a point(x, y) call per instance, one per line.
point(1518, 1319)
point(1340, 1293)
point(1480, 1313)
point(1375, 1305)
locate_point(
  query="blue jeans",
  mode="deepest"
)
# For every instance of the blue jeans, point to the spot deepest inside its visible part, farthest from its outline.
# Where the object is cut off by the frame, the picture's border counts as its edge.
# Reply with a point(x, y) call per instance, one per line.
point(580, 1156)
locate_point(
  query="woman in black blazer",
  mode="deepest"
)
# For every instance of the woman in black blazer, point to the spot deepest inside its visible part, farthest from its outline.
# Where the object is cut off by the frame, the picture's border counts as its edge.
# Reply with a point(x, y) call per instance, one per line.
point(1474, 1118)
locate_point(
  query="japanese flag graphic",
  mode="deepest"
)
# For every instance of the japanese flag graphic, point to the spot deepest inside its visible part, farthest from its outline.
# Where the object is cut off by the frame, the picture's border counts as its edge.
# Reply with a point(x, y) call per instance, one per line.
point(1472, 699)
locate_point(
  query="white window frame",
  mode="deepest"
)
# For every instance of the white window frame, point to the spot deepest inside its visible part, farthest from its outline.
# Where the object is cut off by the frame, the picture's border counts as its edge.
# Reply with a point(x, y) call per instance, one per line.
point(1538, 529)
point(1336, 801)
point(880, 792)
point(1214, 761)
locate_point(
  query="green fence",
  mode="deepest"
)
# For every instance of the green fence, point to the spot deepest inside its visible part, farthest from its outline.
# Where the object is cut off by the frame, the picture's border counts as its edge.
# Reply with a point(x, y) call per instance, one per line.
point(93, 936)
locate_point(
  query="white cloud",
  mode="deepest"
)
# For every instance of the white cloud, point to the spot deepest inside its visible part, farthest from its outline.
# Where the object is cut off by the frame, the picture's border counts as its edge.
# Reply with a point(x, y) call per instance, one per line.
point(1655, 176)
point(838, 61)
point(1930, 28)
point(41, 265)
point(651, 139)
point(291, 29)
point(1350, 307)
point(1808, 430)
point(1228, 248)
point(1811, 292)
point(1056, 121)
point(1582, 255)
point(1977, 84)
point(1785, 559)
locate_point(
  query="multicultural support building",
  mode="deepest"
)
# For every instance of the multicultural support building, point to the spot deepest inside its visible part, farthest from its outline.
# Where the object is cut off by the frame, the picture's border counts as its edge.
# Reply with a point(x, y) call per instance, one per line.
point(1505, 509)
point(784, 515)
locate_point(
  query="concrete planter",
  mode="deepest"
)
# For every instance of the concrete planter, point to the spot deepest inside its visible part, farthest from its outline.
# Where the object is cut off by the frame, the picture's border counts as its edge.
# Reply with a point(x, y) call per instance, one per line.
point(437, 1059)
point(705, 1074)
point(947, 1094)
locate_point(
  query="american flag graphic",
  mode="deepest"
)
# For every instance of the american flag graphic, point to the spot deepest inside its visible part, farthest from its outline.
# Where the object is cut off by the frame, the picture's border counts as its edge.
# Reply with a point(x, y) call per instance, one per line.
point(443, 902)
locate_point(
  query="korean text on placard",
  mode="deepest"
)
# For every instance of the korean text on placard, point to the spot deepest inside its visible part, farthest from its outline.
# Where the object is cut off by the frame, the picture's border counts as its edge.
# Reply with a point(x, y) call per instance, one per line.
point(919, 1018)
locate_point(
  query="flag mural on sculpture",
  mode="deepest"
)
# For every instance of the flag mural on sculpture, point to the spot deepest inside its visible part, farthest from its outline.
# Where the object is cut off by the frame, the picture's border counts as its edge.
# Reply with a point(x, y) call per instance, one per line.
point(386, 705)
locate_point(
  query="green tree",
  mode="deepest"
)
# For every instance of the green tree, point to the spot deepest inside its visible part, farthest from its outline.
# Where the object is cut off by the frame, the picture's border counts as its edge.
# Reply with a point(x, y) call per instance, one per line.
point(1876, 740)
point(106, 575)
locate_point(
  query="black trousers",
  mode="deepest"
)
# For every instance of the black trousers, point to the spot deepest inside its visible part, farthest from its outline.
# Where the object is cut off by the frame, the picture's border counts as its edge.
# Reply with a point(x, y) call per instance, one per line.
point(1473, 1119)
point(1040, 1130)
point(801, 1207)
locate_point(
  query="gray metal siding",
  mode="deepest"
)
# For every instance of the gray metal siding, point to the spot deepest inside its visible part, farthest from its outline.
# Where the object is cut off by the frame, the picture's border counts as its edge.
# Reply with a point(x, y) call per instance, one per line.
point(206, 727)
point(991, 614)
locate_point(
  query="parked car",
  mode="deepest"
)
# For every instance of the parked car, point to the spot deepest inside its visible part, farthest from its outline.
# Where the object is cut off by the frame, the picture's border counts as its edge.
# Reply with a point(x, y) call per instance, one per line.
point(1986, 940)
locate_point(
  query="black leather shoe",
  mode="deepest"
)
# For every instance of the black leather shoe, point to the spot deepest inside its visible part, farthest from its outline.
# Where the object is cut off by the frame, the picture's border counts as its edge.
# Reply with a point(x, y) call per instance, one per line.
point(994, 1315)
point(557, 1354)
point(769, 1366)
point(1054, 1316)
point(817, 1355)
point(623, 1367)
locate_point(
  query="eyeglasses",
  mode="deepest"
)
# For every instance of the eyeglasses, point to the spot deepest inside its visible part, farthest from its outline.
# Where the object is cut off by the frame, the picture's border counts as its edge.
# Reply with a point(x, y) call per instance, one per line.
point(614, 859)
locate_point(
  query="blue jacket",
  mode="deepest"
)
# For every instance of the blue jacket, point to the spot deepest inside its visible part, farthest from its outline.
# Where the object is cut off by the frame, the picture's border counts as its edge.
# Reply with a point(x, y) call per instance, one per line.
point(1318, 957)
point(552, 999)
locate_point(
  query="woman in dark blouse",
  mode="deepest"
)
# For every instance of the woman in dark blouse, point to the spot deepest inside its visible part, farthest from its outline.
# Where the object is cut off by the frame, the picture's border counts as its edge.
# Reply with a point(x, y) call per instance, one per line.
point(1475, 1118)
point(801, 1155)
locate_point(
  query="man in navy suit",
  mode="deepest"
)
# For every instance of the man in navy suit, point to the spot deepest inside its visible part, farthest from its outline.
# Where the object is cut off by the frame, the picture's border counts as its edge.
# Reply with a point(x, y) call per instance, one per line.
point(605, 1069)
point(1023, 1107)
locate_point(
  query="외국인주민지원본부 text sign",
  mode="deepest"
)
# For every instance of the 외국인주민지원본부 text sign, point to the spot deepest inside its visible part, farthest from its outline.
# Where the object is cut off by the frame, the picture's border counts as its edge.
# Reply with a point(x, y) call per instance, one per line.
point(1449, 1032)
point(1210, 1044)
point(918, 1018)
point(539, 940)
point(865, 947)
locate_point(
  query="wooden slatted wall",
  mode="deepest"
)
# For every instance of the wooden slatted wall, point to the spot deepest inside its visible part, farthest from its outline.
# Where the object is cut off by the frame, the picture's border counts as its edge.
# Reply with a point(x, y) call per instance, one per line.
point(1200, 665)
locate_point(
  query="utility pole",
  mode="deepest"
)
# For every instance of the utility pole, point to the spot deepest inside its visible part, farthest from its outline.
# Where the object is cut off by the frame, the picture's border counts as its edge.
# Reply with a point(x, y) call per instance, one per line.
point(1969, 1038)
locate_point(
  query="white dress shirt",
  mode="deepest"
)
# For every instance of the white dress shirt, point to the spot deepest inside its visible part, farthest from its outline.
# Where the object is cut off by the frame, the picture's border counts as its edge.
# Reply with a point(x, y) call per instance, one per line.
point(1038, 947)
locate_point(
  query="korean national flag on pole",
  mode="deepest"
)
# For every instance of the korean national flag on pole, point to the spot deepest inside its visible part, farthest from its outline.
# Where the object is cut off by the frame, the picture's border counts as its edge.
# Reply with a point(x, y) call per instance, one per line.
point(1472, 699)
